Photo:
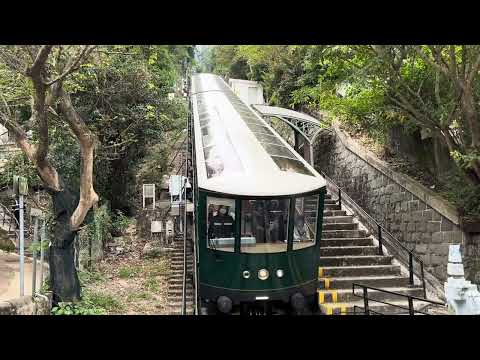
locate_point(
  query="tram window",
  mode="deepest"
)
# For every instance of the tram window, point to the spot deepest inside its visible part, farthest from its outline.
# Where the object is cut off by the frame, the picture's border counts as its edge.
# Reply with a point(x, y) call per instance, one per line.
point(277, 150)
point(264, 226)
point(221, 224)
point(287, 164)
point(259, 129)
point(263, 138)
point(305, 222)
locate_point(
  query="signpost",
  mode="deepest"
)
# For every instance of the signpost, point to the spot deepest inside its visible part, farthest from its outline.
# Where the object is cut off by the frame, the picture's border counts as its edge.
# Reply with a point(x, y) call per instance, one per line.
point(20, 187)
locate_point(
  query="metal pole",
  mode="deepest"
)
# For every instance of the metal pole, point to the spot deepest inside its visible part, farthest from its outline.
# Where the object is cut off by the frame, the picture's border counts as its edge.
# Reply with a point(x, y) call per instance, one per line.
point(34, 269)
point(340, 198)
point(410, 267)
point(411, 311)
point(42, 239)
point(22, 249)
point(380, 247)
point(423, 280)
point(365, 301)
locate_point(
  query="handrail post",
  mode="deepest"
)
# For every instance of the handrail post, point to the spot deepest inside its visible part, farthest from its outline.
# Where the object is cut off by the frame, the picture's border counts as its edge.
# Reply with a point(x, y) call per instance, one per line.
point(410, 267)
point(380, 245)
point(365, 301)
point(423, 280)
point(340, 198)
point(411, 310)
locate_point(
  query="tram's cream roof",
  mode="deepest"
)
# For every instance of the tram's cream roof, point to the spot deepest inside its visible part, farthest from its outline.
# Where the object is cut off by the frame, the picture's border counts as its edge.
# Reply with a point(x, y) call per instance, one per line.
point(248, 168)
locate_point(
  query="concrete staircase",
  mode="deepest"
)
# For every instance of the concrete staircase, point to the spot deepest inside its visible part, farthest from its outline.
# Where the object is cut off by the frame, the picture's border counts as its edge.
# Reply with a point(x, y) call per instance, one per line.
point(348, 255)
point(175, 281)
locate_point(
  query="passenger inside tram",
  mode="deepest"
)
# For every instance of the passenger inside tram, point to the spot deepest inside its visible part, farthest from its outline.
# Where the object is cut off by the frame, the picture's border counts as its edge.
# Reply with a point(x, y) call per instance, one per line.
point(300, 230)
point(264, 225)
point(222, 224)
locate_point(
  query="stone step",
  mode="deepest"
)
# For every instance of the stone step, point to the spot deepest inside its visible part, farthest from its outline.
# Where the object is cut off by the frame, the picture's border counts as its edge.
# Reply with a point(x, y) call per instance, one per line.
point(363, 241)
point(180, 267)
point(326, 234)
point(332, 207)
point(180, 258)
point(338, 219)
point(327, 213)
point(347, 308)
point(340, 226)
point(179, 312)
point(177, 280)
point(348, 250)
point(355, 260)
point(178, 304)
point(365, 270)
point(346, 295)
point(375, 281)
point(178, 292)
point(175, 286)
point(329, 201)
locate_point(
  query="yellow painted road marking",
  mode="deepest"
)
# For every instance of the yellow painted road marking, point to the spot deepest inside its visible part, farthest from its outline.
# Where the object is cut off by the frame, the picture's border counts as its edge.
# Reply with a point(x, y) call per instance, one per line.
point(343, 310)
point(329, 311)
point(320, 272)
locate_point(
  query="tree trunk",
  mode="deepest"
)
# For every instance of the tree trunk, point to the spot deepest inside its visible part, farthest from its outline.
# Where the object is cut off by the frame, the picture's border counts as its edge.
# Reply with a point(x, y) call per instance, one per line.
point(64, 281)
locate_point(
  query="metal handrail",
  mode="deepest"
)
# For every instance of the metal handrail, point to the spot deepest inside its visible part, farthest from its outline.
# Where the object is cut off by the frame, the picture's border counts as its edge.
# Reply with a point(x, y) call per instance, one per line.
point(410, 299)
point(390, 242)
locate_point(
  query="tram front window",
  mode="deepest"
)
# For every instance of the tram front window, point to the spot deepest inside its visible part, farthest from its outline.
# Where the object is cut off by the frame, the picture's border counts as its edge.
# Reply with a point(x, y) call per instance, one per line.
point(264, 226)
point(221, 224)
point(305, 222)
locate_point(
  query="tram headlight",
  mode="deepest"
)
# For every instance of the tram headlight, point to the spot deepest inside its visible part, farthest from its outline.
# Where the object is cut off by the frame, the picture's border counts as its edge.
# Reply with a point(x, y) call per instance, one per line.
point(280, 273)
point(246, 274)
point(263, 274)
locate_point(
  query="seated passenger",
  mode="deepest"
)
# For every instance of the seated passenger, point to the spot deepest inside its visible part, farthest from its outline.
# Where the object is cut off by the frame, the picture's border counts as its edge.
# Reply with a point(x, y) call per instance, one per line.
point(222, 225)
point(300, 230)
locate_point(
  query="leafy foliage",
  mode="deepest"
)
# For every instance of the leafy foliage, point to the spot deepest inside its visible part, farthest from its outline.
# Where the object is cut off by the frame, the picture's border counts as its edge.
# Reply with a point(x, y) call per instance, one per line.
point(372, 88)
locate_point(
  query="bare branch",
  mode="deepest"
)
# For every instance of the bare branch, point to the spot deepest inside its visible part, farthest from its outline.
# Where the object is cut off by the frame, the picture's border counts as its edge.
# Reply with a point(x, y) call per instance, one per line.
point(74, 64)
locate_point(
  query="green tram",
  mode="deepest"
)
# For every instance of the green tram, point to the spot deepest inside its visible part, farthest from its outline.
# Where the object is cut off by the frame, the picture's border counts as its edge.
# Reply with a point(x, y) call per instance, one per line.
point(258, 208)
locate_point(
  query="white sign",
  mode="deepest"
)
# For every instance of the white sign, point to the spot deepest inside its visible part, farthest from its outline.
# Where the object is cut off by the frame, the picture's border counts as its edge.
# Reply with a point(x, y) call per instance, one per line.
point(36, 212)
point(156, 226)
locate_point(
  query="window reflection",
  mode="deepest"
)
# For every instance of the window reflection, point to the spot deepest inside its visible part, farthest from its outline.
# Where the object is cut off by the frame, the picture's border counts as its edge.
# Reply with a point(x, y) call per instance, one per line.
point(305, 222)
point(264, 226)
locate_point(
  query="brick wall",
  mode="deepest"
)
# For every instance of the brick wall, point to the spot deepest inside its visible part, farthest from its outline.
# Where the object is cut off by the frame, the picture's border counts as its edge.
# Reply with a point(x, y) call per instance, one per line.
point(411, 212)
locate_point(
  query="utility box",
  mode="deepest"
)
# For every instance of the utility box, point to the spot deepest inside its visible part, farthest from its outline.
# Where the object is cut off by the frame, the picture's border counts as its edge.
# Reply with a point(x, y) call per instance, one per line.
point(251, 92)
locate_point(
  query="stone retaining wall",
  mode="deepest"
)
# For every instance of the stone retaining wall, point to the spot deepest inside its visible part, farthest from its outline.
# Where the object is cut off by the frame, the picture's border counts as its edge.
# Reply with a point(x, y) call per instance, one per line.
point(27, 305)
point(412, 213)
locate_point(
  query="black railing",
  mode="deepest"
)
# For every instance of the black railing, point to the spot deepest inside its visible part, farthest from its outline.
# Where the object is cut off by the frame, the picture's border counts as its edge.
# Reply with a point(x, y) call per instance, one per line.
point(366, 310)
point(385, 239)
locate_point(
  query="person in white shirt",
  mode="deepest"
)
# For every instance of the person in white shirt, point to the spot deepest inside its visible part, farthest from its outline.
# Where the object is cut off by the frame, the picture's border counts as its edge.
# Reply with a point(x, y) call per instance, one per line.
point(300, 230)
